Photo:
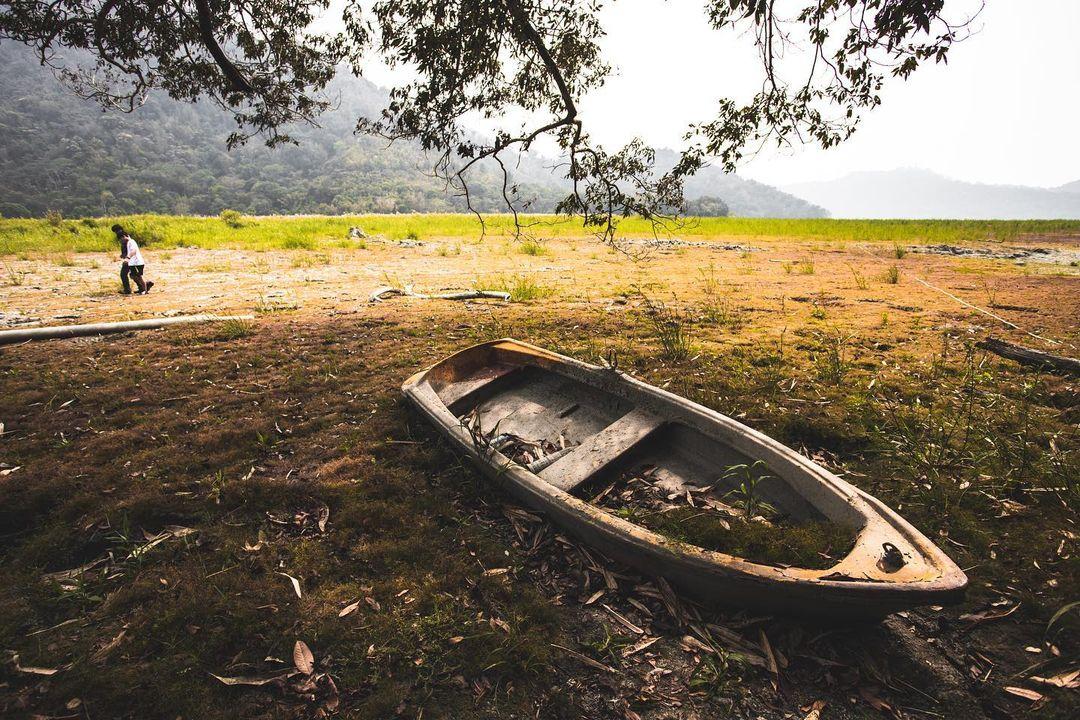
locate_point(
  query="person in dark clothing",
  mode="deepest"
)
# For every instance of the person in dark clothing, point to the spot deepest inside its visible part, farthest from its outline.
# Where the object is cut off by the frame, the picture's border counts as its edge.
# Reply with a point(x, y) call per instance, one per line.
point(125, 271)
point(132, 262)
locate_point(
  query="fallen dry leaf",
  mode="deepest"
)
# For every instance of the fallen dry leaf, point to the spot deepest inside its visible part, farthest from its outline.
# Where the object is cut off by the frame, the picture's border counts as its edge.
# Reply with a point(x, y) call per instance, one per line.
point(595, 596)
point(348, 609)
point(303, 658)
point(31, 669)
point(1024, 693)
point(253, 680)
point(988, 615)
point(690, 643)
point(813, 712)
point(1069, 680)
point(586, 659)
point(295, 583)
point(105, 650)
point(248, 547)
point(639, 646)
point(623, 621)
point(770, 658)
point(873, 700)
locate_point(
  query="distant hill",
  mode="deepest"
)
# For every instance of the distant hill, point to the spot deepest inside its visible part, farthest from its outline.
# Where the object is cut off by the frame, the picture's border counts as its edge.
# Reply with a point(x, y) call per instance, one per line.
point(744, 198)
point(58, 152)
point(910, 193)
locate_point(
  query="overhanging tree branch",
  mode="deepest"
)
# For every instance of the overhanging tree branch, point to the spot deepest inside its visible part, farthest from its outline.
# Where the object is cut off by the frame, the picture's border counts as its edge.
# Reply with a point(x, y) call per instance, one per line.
point(206, 32)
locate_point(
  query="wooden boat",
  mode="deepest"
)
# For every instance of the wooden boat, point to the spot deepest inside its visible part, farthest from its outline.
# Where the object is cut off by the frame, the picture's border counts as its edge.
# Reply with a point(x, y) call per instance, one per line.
point(603, 421)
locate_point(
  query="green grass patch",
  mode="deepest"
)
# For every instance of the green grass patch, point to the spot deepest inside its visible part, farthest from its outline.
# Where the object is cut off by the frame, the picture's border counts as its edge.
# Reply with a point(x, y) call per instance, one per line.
point(56, 234)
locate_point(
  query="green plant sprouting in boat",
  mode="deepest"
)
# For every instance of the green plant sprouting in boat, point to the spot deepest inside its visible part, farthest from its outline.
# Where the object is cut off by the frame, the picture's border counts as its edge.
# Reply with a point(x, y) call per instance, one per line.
point(746, 496)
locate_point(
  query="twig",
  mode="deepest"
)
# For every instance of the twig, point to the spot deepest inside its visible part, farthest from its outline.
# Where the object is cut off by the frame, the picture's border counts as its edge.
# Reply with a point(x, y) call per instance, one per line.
point(965, 303)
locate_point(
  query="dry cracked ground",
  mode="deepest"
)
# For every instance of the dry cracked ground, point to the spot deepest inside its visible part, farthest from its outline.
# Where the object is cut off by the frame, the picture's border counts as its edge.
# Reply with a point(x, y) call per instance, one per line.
point(245, 520)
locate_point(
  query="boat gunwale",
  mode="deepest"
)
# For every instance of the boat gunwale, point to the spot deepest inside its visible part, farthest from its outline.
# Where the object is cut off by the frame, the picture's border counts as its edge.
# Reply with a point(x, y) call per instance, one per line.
point(951, 579)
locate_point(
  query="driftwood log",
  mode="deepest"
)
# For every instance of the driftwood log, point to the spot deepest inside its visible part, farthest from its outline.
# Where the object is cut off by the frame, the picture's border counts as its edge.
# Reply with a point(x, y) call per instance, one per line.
point(55, 332)
point(1027, 356)
point(384, 292)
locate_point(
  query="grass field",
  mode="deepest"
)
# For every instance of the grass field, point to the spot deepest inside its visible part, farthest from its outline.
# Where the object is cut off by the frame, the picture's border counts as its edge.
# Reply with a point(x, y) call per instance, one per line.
point(160, 491)
point(311, 233)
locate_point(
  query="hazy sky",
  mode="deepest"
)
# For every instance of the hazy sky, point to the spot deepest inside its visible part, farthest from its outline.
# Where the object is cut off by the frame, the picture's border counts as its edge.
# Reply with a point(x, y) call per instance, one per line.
point(1004, 110)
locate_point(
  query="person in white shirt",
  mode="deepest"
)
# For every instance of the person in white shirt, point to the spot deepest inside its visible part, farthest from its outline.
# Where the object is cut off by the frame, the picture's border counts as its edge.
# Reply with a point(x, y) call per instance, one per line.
point(133, 264)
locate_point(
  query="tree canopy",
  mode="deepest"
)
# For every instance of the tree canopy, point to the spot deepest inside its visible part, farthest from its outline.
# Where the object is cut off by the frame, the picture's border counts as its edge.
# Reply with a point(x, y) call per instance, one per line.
point(266, 64)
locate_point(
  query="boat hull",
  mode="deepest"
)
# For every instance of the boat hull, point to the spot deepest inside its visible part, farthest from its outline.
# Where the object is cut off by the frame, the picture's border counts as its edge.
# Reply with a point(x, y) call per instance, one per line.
point(857, 588)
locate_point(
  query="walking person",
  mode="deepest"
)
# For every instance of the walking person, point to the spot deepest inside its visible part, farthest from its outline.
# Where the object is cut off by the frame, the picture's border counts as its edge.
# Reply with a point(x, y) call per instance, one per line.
point(133, 264)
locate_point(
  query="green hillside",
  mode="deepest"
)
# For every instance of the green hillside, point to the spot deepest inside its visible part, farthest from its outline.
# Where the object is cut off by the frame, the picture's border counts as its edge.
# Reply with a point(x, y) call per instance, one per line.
point(61, 153)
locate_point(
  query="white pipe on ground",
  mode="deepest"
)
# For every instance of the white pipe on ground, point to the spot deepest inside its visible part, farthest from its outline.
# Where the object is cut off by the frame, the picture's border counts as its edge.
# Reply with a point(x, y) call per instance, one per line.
point(9, 337)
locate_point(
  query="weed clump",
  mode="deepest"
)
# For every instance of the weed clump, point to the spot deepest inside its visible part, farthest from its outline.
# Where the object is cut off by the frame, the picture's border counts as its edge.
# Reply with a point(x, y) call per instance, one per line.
point(669, 328)
point(234, 329)
point(534, 248)
point(833, 363)
point(718, 307)
point(522, 288)
point(860, 279)
point(14, 277)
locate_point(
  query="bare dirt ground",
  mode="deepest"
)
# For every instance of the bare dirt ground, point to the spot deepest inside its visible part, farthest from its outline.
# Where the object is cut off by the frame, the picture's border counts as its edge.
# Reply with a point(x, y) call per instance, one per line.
point(788, 276)
point(161, 491)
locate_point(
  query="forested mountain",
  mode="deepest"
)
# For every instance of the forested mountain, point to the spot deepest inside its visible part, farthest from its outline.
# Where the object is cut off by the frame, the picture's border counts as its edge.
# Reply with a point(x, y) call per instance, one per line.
point(58, 152)
point(911, 193)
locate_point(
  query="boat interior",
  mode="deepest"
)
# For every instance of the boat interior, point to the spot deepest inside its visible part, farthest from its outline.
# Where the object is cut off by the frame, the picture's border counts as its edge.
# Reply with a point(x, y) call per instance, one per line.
point(598, 435)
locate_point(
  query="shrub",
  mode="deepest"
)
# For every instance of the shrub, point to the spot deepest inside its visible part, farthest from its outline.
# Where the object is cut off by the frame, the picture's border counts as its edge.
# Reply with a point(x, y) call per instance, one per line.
point(232, 218)
point(54, 218)
point(892, 275)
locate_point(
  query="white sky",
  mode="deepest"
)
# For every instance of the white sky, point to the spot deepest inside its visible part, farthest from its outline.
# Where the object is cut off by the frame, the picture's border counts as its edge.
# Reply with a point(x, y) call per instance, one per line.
point(1005, 109)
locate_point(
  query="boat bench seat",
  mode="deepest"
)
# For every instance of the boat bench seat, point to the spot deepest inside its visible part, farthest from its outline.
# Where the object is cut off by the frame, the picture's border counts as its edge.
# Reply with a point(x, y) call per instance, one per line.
point(462, 395)
point(601, 449)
